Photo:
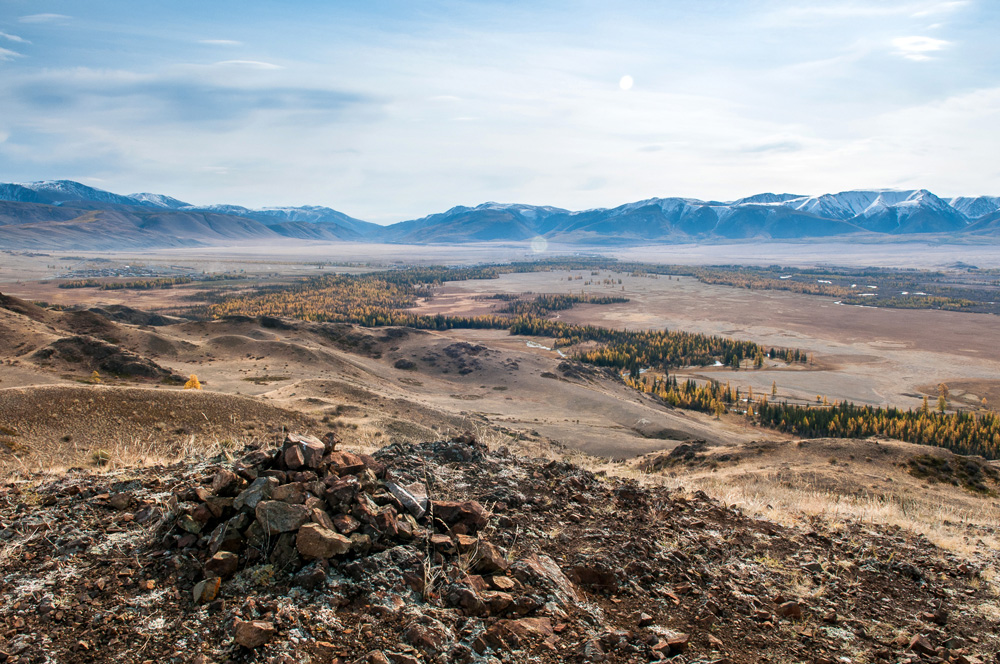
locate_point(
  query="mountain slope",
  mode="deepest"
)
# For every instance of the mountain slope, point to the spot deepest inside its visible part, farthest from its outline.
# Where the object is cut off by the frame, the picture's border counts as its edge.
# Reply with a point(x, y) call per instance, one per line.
point(65, 214)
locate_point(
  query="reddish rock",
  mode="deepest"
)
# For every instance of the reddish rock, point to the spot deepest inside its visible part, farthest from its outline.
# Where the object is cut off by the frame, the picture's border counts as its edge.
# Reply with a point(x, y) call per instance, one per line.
point(293, 457)
point(921, 646)
point(791, 610)
point(475, 582)
point(207, 590)
point(294, 493)
point(223, 564)
point(315, 541)
point(502, 582)
point(343, 463)
point(321, 517)
point(542, 570)
point(341, 491)
point(497, 601)
point(442, 543)
point(385, 522)
point(431, 639)
point(226, 483)
point(345, 524)
point(275, 516)
point(311, 449)
point(465, 543)
point(512, 634)
point(468, 514)
point(678, 644)
point(489, 559)
point(253, 634)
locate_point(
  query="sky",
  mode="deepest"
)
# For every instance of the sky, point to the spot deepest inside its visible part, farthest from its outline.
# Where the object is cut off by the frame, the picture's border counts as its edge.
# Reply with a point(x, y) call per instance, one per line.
point(394, 110)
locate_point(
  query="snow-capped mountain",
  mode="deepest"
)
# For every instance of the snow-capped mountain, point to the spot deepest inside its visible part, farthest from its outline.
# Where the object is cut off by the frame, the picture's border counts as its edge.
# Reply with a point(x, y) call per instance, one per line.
point(975, 207)
point(159, 220)
point(159, 200)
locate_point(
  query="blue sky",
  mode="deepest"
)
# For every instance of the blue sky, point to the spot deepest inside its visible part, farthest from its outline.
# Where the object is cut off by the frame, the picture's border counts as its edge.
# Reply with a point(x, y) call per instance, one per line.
point(393, 110)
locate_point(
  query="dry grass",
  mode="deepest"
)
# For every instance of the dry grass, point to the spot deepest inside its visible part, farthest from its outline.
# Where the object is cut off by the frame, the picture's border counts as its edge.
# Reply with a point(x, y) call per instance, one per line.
point(120, 455)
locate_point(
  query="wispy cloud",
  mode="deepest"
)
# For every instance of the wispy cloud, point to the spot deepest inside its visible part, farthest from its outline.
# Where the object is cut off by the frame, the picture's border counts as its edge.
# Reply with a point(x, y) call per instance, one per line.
point(14, 38)
point(852, 10)
point(941, 8)
point(7, 54)
point(250, 64)
point(918, 48)
point(220, 42)
point(193, 99)
point(44, 18)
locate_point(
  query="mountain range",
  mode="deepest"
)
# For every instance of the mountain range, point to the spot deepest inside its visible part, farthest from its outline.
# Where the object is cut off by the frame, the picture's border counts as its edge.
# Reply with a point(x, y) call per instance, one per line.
point(62, 214)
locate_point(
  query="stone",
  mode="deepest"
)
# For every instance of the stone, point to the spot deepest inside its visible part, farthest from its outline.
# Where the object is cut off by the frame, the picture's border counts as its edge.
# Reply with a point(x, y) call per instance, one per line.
point(364, 509)
point(310, 577)
point(343, 463)
point(226, 483)
point(920, 645)
point(790, 610)
point(293, 457)
point(497, 602)
point(502, 582)
point(466, 543)
point(321, 517)
point(276, 517)
point(315, 541)
point(294, 493)
point(540, 570)
point(678, 644)
point(644, 620)
point(513, 634)
point(488, 559)
point(345, 524)
point(408, 500)
point(341, 491)
point(190, 524)
point(223, 564)
point(285, 556)
point(218, 506)
point(311, 449)
point(207, 590)
point(260, 489)
point(429, 636)
point(442, 543)
point(120, 501)
point(228, 536)
point(253, 633)
point(469, 514)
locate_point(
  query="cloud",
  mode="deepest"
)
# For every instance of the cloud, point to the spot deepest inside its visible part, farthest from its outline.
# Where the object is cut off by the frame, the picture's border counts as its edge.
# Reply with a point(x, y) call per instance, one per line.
point(853, 10)
point(250, 64)
point(198, 101)
point(44, 18)
point(941, 8)
point(7, 54)
point(917, 48)
point(14, 38)
point(777, 145)
point(220, 42)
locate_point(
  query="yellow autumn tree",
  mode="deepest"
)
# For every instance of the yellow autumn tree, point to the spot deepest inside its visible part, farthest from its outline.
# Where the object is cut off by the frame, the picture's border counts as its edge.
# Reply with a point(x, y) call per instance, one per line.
point(193, 383)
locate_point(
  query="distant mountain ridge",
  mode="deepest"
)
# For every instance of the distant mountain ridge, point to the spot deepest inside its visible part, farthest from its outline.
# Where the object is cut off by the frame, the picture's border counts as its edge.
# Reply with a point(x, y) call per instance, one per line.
point(66, 214)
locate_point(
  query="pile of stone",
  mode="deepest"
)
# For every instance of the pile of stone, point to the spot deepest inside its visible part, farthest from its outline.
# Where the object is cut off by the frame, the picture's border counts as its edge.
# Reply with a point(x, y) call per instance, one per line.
point(307, 504)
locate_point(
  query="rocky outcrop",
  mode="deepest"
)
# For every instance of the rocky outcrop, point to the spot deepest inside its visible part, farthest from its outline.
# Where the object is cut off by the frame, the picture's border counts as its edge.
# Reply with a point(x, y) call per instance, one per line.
point(450, 552)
